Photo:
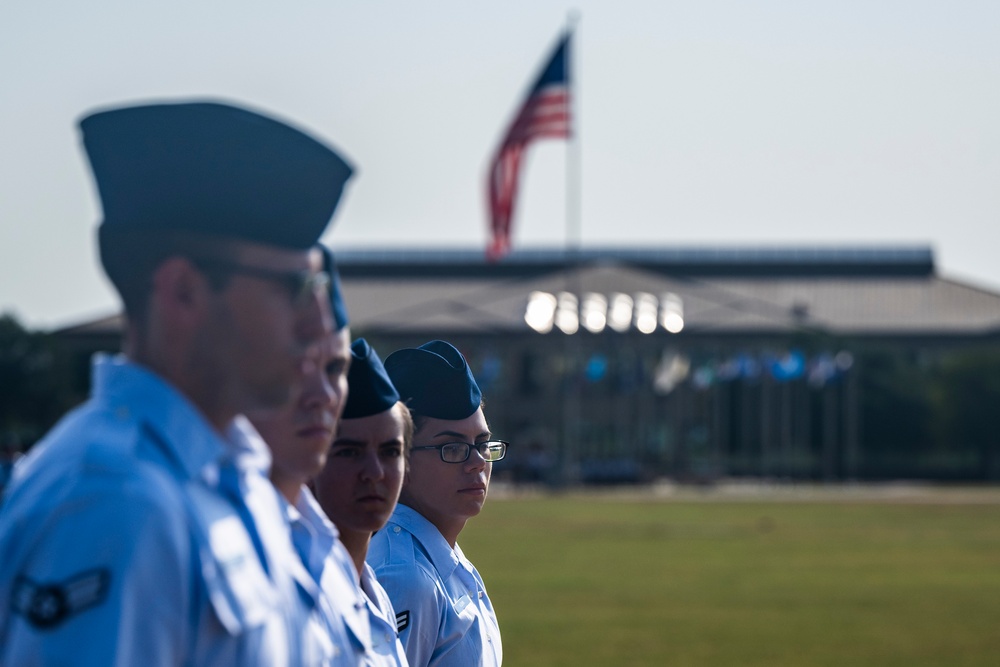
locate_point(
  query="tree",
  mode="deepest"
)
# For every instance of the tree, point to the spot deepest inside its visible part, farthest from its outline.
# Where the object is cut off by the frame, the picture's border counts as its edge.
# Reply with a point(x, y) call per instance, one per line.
point(896, 411)
point(37, 382)
point(968, 399)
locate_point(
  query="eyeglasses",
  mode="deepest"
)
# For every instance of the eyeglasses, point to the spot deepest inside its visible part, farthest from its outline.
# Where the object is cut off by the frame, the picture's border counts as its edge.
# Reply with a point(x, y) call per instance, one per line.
point(458, 452)
point(299, 284)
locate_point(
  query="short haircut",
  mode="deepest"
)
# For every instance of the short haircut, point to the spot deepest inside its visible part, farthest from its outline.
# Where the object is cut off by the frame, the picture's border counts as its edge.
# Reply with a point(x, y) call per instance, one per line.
point(131, 257)
point(408, 430)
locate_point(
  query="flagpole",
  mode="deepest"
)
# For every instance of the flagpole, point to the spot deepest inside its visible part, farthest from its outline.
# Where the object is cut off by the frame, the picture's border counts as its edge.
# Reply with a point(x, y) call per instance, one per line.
point(545, 112)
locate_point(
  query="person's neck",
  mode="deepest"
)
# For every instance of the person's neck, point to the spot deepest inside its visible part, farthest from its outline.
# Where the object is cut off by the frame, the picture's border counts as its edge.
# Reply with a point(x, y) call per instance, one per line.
point(450, 532)
point(356, 542)
point(207, 400)
point(449, 527)
point(288, 487)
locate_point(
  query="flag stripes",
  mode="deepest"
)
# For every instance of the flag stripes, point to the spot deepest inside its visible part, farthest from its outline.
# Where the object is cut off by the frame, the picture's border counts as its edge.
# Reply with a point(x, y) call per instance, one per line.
point(545, 113)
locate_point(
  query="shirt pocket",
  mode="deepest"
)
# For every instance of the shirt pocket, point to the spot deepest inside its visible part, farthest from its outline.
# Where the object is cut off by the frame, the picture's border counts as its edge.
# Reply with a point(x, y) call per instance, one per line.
point(240, 592)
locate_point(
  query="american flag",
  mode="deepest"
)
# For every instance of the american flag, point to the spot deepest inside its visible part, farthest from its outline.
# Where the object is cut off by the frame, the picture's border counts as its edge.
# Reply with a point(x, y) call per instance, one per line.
point(545, 113)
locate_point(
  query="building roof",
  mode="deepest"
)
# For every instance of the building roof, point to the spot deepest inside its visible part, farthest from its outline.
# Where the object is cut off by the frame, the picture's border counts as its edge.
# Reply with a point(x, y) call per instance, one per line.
point(854, 291)
point(689, 261)
point(843, 291)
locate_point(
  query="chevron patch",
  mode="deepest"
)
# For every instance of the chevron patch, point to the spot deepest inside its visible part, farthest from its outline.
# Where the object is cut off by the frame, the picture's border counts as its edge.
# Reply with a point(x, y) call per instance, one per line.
point(46, 605)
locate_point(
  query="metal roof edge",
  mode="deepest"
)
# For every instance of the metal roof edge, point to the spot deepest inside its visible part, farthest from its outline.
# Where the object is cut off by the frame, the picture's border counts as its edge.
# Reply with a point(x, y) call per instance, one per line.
point(916, 260)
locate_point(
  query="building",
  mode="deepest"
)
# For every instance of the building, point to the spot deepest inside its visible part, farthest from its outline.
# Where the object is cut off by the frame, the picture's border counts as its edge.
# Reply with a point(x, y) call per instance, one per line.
point(610, 365)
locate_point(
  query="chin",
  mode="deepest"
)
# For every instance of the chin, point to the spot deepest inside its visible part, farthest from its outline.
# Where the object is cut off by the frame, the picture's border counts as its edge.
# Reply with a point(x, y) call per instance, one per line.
point(360, 524)
point(317, 468)
point(308, 469)
point(477, 507)
point(315, 448)
point(374, 526)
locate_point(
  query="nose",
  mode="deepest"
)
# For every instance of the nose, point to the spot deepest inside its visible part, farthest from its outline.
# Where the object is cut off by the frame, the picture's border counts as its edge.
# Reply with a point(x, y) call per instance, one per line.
point(317, 391)
point(372, 470)
point(313, 322)
point(338, 393)
point(475, 462)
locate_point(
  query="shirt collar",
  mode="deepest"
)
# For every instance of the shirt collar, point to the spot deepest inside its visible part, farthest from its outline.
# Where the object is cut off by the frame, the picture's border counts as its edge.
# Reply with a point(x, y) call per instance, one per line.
point(313, 535)
point(135, 392)
point(375, 596)
point(442, 556)
point(247, 447)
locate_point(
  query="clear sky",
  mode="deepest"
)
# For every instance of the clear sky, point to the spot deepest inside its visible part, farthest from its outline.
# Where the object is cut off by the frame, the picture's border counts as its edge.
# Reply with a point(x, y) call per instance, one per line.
point(717, 122)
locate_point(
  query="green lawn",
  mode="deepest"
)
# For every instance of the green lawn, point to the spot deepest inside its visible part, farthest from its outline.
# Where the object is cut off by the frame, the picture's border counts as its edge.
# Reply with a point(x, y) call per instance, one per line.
point(587, 580)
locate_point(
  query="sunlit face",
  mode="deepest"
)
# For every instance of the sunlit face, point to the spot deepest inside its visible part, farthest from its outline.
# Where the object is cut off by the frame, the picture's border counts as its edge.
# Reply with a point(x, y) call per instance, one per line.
point(448, 494)
point(360, 484)
point(299, 433)
point(259, 338)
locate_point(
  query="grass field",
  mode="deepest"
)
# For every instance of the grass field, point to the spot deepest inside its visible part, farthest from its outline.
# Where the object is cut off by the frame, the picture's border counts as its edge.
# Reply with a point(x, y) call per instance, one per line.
point(587, 579)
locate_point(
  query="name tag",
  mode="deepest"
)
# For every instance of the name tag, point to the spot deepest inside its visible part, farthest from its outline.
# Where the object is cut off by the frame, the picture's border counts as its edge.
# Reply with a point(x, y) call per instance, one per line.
point(461, 603)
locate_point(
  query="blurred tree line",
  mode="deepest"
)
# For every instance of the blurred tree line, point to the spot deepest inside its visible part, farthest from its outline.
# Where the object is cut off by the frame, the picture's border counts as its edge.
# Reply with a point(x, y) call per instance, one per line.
point(932, 409)
point(40, 379)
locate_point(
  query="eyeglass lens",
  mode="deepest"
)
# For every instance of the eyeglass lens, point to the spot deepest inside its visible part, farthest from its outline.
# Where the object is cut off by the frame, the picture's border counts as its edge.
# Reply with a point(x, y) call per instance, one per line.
point(458, 452)
point(300, 284)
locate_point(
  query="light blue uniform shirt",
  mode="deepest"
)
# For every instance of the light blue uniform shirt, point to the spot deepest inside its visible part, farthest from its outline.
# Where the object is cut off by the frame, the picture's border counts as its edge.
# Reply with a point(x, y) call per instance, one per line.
point(338, 628)
point(443, 613)
point(134, 534)
point(386, 647)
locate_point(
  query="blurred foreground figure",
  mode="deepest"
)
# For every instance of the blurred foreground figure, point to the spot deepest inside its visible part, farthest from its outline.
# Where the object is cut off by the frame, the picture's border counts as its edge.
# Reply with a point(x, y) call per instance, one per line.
point(443, 614)
point(299, 434)
point(143, 529)
point(360, 484)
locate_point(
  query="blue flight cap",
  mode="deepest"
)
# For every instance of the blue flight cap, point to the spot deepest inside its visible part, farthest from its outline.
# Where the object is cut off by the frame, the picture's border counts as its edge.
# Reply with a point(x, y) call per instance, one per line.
point(435, 381)
point(212, 168)
point(337, 305)
point(369, 390)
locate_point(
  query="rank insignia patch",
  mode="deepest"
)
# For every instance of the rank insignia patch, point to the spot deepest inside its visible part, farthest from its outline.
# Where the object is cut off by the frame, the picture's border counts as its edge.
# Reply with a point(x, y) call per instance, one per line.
point(402, 620)
point(46, 605)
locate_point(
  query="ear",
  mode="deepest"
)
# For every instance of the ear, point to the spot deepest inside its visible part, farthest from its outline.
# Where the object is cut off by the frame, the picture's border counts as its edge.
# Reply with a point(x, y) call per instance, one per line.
point(180, 290)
